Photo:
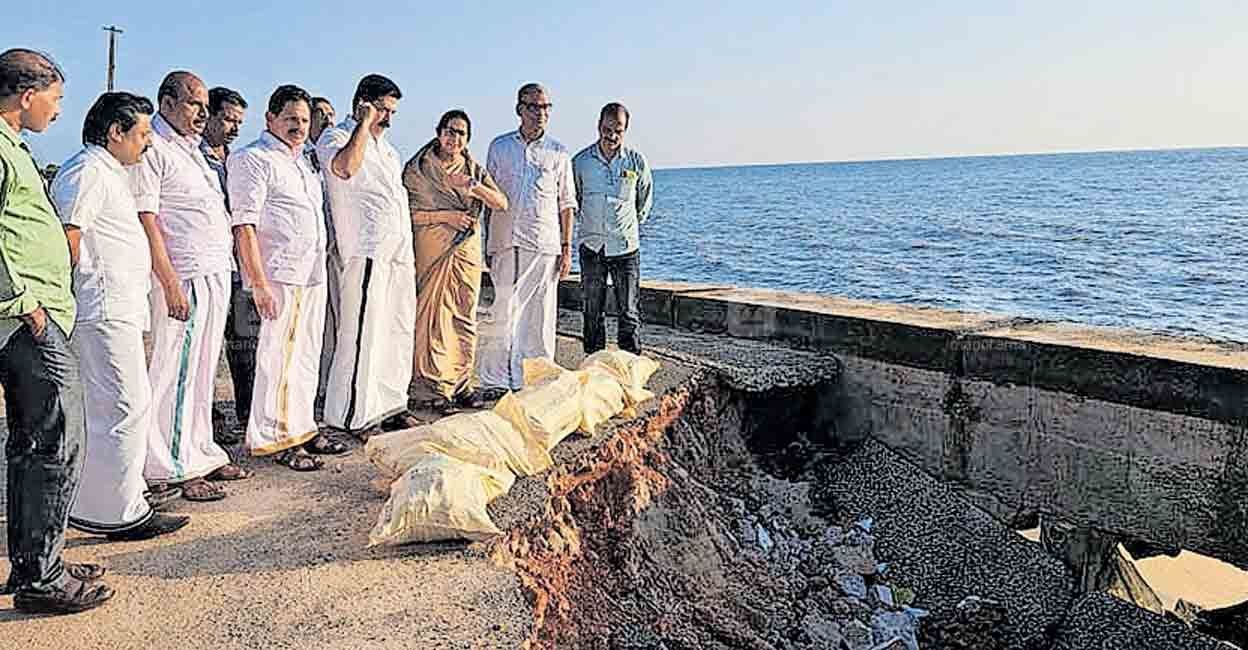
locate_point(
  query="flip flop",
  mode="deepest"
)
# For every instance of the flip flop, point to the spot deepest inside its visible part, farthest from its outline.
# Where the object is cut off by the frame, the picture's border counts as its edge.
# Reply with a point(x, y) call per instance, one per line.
point(299, 460)
point(229, 472)
point(201, 490)
point(324, 445)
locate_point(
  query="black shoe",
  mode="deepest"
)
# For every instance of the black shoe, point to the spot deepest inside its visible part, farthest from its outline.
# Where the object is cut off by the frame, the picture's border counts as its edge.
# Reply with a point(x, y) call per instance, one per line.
point(158, 525)
point(470, 400)
point(493, 394)
point(70, 598)
point(443, 406)
point(400, 421)
point(159, 498)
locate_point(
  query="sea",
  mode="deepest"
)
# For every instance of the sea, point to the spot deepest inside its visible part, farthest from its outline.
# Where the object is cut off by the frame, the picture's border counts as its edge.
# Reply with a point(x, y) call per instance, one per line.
point(1147, 240)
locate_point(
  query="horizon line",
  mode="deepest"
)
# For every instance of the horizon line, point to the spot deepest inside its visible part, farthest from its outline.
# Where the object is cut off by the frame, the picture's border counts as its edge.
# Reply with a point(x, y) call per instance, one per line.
point(922, 157)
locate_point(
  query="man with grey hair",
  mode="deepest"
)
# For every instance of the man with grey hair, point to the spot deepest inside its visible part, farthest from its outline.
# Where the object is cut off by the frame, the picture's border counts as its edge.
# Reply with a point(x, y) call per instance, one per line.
point(528, 246)
point(182, 208)
point(38, 371)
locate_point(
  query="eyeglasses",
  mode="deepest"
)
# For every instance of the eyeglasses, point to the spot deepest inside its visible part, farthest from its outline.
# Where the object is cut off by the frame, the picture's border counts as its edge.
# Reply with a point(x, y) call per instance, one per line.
point(459, 132)
point(537, 108)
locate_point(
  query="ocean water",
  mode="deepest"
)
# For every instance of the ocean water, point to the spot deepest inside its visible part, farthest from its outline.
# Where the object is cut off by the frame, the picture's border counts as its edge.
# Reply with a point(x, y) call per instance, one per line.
point(1154, 240)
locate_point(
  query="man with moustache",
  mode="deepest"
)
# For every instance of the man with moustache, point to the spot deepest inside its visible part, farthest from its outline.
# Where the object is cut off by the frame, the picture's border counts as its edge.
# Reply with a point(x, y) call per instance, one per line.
point(322, 118)
point(279, 229)
point(226, 111)
point(38, 371)
point(112, 276)
point(182, 208)
point(613, 195)
point(529, 245)
point(368, 381)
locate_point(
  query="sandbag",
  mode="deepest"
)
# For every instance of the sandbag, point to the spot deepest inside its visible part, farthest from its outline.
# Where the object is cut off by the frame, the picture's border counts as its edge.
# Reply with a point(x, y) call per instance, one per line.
point(482, 438)
point(632, 371)
point(440, 498)
point(548, 409)
point(602, 398)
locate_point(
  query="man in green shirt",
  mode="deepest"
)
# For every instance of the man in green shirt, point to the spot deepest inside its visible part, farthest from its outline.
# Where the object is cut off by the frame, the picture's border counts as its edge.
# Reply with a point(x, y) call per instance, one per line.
point(38, 371)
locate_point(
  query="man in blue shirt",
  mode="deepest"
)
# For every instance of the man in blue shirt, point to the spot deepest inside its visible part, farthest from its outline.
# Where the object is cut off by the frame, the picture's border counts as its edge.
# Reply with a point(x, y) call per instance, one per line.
point(614, 192)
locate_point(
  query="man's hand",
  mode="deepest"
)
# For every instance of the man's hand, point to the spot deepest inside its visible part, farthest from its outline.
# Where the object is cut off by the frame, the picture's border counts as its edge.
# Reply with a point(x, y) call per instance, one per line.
point(266, 303)
point(459, 220)
point(369, 116)
point(37, 321)
point(175, 298)
point(460, 181)
point(565, 263)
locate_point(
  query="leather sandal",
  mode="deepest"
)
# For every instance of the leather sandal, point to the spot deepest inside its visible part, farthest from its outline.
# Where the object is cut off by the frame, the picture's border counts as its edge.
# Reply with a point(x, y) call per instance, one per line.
point(201, 490)
point(299, 460)
point(229, 472)
point(69, 598)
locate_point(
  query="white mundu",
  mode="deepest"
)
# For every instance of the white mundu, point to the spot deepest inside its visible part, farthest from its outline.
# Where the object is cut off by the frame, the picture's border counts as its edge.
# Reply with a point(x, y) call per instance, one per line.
point(92, 194)
point(274, 189)
point(372, 365)
point(174, 182)
point(523, 249)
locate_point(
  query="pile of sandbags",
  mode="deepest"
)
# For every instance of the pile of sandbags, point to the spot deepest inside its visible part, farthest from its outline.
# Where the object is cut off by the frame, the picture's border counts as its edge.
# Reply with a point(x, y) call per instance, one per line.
point(442, 476)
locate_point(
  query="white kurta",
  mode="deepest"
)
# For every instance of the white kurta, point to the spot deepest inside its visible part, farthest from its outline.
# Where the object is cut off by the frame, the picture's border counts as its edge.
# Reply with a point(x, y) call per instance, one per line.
point(92, 194)
point(372, 366)
point(520, 323)
point(275, 190)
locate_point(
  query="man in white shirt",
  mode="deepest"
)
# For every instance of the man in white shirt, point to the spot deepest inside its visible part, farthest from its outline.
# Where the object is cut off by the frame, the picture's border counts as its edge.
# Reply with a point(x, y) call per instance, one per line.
point(323, 118)
point(368, 381)
point(182, 208)
point(112, 274)
point(529, 245)
point(279, 229)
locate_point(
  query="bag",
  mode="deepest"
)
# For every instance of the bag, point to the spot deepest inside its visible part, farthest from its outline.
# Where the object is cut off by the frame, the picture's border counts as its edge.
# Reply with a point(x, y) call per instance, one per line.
point(482, 438)
point(440, 498)
point(548, 411)
point(632, 371)
point(602, 398)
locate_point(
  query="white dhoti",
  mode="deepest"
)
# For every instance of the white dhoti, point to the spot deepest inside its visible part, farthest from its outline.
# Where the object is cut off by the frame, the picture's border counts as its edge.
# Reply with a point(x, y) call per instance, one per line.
point(372, 366)
point(118, 402)
point(520, 324)
point(288, 357)
point(183, 372)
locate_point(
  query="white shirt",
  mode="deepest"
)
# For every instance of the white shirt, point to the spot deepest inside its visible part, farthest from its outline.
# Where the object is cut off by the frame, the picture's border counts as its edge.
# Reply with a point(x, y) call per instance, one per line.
point(537, 179)
point(370, 213)
point(274, 189)
point(113, 274)
point(174, 182)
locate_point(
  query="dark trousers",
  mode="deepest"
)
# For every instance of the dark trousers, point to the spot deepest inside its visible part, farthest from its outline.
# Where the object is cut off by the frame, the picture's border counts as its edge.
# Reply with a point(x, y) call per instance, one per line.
point(44, 411)
point(242, 334)
point(625, 274)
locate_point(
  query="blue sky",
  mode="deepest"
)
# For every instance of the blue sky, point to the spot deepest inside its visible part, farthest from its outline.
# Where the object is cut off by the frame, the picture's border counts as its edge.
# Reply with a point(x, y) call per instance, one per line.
point(709, 83)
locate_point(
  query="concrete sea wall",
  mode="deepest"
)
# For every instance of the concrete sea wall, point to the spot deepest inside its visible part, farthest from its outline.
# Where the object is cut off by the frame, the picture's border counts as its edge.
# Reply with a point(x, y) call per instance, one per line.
point(1137, 435)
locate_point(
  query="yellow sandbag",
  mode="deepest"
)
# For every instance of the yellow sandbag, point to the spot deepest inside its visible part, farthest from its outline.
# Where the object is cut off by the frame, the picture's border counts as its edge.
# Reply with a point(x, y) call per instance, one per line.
point(440, 498)
point(539, 370)
point(482, 438)
point(602, 398)
point(549, 411)
point(632, 371)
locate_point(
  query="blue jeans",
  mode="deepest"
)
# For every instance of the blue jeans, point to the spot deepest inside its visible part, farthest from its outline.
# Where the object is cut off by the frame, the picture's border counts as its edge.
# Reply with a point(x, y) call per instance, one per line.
point(625, 273)
point(46, 434)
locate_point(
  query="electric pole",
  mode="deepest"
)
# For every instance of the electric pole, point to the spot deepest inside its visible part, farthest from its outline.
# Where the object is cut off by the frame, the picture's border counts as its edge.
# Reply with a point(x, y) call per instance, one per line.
point(112, 53)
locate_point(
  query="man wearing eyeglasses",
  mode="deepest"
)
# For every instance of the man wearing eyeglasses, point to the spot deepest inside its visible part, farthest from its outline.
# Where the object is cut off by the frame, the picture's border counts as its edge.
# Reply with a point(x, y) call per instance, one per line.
point(529, 245)
point(182, 208)
point(372, 367)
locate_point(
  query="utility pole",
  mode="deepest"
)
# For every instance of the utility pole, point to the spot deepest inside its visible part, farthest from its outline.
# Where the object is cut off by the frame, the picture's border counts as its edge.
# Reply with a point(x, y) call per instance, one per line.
point(112, 53)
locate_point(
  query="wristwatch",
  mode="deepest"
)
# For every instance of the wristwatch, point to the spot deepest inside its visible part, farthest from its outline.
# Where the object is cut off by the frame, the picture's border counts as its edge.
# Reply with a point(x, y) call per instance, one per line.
point(474, 185)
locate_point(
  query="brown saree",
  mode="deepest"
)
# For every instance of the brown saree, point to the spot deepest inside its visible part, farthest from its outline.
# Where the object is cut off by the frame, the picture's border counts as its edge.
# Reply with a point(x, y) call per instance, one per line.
point(448, 272)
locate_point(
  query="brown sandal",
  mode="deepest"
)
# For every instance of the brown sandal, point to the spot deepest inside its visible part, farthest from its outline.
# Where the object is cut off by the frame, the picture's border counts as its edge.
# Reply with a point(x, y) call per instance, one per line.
point(201, 490)
point(229, 472)
point(299, 460)
point(85, 571)
point(323, 444)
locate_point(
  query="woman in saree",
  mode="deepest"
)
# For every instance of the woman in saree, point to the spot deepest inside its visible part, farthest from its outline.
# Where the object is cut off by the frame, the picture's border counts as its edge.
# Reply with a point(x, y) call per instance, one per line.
point(447, 193)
